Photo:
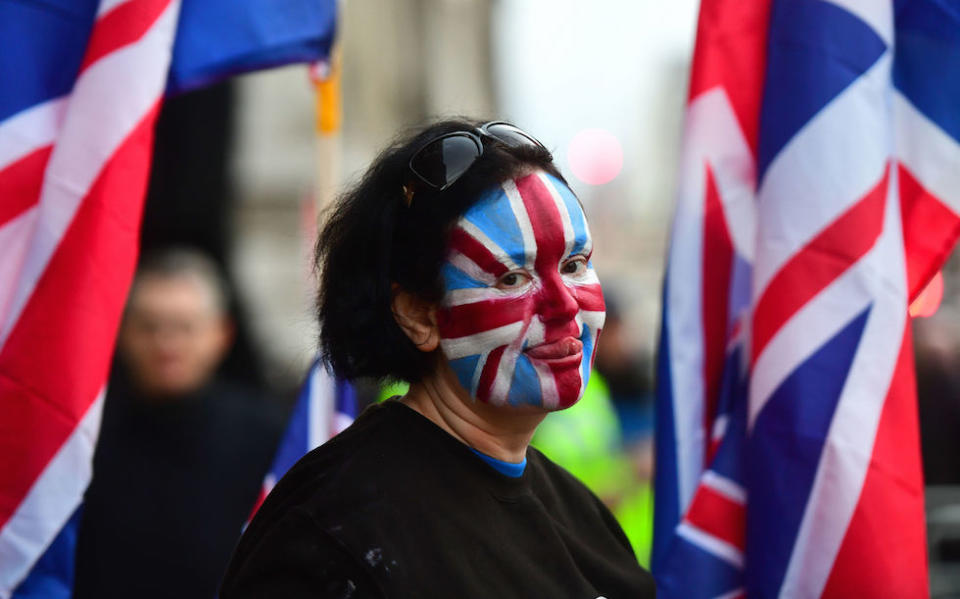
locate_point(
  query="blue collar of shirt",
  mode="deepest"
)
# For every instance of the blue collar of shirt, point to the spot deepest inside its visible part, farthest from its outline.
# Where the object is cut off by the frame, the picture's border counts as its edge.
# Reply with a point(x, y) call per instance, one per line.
point(506, 468)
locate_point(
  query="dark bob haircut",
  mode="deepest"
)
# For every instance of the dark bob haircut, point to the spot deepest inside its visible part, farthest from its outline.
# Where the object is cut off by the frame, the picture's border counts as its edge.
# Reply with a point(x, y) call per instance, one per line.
point(372, 240)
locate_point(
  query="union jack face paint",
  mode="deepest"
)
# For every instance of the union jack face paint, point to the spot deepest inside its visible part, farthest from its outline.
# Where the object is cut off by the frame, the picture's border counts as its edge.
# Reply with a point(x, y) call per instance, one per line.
point(522, 307)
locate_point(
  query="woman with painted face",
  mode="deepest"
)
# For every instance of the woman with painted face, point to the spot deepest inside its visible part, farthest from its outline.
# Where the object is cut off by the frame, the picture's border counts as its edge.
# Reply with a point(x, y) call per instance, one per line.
point(459, 263)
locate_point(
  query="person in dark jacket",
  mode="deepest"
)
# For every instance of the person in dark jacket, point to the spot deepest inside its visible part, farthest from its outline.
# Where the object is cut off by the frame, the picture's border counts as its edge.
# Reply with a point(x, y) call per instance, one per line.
point(182, 452)
point(460, 263)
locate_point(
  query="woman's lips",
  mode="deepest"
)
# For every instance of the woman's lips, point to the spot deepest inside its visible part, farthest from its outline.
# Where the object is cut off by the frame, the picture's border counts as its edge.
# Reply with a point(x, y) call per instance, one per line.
point(561, 351)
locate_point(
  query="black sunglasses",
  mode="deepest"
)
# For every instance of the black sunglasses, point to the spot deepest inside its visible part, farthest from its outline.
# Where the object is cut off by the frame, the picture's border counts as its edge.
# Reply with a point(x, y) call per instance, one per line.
point(444, 159)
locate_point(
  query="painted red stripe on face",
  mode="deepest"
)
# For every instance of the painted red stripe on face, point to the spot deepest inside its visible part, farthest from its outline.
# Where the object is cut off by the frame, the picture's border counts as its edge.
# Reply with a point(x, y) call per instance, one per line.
point(122, 26)
point(560, 304)
point(590, 297)
point(717, 264)
point(20, 183)
point(57, 356)
point(818, 264)
point(467, 245)
point(489, 374)
point(546, 222)
point(568, 382)
point(477, 317)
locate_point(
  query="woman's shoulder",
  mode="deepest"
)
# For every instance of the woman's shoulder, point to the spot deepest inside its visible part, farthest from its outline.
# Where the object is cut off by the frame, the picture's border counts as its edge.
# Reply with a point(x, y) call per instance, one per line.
point(296, 558)
point(564, 493)
point(373, 460)
point(374, 443)
point(546, 472)
point(339, 480)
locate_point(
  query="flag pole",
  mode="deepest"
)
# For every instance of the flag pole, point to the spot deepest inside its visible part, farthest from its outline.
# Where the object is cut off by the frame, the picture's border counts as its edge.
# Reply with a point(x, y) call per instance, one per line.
point(329, 116)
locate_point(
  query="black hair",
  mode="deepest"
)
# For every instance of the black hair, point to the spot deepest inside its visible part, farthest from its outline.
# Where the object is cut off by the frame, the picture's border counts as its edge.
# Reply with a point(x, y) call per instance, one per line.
point(372, 239)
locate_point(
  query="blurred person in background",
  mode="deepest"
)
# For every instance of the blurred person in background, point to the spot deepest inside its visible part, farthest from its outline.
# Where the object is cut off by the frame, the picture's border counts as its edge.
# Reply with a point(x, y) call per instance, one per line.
point(937, 354)
point(460, 263)
point(182, 452)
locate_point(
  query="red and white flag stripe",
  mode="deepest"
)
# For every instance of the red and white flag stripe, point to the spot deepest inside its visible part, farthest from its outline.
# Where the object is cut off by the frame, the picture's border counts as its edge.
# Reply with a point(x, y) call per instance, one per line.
point(79, 165)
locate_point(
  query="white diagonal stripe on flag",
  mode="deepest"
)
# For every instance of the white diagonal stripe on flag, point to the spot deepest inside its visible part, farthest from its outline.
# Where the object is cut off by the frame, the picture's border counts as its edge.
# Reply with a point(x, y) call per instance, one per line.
point(34, 128)
point(711, 544)
point(932, 156)
point(50, 502)
point(841, 472)
point(810, 183)
point(96, 123)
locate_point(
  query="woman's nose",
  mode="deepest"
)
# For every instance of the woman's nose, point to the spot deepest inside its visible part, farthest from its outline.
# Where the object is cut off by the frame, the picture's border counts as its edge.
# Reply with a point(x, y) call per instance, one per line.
point(558, 301)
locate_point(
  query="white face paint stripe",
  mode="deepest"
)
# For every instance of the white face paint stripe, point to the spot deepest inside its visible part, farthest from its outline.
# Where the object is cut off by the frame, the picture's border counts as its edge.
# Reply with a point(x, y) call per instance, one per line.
point(523, 221)
point(501, 382)
point(588, 278)
point(579, 320)
point(471, 268)
point(548, 385)
point(475, 382)
point(588, 244)
point(568, 234)
point(461, 347)
point(593, 345)
point(471, 295)
point(592, 319)
point(473, 231)
point(536, 334)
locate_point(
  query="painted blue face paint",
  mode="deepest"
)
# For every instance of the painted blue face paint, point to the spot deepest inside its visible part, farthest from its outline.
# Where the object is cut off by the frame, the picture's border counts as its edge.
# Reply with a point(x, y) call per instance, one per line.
point(522, 307)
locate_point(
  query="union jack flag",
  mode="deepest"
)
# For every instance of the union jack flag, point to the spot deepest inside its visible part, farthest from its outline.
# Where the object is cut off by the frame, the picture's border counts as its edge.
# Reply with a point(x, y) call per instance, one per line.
point(819, 191)
point(326, 405)
point(81, 83)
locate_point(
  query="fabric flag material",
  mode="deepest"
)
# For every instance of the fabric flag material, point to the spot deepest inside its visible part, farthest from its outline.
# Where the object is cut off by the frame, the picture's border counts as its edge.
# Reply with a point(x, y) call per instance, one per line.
point(326, 405)
point(219, 38)
point(81, 83)
point(819, 191)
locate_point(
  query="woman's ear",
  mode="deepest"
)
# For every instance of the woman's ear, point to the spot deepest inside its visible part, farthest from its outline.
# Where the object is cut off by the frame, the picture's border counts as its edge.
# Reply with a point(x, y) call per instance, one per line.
point(417, 319)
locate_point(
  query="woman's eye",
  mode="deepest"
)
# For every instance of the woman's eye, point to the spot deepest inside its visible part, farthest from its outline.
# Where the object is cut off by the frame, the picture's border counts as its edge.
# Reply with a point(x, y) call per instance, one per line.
point(512, 280)
point(574, 266)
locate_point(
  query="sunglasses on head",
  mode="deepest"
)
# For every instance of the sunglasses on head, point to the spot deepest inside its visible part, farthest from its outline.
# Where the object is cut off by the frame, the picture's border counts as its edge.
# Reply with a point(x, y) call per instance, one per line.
point(441, 161)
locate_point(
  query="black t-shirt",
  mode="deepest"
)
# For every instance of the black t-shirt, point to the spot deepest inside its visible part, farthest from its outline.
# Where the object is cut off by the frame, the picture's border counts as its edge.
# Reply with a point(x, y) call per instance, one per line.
point(396, 507)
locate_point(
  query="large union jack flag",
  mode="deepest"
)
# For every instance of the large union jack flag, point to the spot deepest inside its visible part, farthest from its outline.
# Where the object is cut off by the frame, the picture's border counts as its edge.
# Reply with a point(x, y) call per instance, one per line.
point(80, 95)
point(81, 82)
point(819, 191)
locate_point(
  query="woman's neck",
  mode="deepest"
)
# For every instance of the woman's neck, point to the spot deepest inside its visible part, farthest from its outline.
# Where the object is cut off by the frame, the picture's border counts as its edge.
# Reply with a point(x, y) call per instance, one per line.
point(500, 432)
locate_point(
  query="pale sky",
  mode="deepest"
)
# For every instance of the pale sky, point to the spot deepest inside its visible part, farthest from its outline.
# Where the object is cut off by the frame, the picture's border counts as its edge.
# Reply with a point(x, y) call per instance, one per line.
point(565, 65)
